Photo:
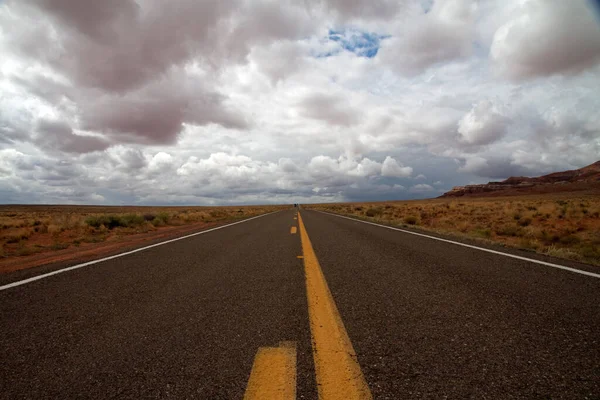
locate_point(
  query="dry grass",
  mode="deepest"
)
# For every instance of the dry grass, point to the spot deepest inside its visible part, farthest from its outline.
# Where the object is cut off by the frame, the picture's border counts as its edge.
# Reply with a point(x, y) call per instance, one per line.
point(562, 225)
point(30, 229)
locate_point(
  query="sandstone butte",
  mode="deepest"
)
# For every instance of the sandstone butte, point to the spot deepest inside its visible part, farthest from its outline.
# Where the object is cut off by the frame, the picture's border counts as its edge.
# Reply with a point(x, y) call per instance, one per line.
point(583, 179)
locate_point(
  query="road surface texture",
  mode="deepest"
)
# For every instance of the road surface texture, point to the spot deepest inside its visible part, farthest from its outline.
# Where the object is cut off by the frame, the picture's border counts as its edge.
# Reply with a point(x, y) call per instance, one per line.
point(305, 306)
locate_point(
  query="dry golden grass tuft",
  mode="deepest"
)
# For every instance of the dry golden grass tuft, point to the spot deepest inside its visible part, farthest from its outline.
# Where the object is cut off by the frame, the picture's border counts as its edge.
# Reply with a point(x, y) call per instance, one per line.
point(30, 229)
point(562, 225)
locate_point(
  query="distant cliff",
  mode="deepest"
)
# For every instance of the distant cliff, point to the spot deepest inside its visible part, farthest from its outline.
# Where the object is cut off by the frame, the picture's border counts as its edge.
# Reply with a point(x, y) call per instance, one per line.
point(573, 180)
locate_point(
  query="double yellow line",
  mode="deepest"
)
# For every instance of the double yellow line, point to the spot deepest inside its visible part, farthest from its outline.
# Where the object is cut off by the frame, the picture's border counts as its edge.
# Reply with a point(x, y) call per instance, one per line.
point(338, 373)
point(337, 370)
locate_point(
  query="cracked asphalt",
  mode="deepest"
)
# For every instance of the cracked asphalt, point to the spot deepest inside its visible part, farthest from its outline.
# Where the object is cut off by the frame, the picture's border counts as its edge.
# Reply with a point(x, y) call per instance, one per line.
point(427, 319)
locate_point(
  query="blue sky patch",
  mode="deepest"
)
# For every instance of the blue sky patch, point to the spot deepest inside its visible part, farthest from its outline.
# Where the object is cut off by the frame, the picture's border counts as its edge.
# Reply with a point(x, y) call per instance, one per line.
point(595, 5)
point(363, 44)
point(427, 5)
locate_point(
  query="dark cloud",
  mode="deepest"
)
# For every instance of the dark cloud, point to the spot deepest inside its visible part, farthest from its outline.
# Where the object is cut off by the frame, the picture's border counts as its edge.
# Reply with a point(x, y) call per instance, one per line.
point(118, 46)
point(130, 159)
point(155, 114)
point(498, 168)
point(58, 135)
point(278, 61)
point(126, 45)
point(125, 66)
point(261, 21)
point(357, 9)
point(329, 108)
point(96, 19)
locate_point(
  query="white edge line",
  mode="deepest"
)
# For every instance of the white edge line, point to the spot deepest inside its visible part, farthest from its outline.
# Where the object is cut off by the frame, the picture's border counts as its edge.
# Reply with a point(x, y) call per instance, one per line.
point(577, 271)
point(60, 271)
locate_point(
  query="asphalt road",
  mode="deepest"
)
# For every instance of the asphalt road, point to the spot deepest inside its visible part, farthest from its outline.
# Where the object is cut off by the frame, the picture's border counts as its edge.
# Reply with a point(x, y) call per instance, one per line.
point(426, 319)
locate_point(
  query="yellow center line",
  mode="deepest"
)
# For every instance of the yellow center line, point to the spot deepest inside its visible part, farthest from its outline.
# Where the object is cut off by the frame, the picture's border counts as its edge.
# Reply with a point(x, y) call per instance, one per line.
point(293, 230)
point(338, 373)
point(273, 374)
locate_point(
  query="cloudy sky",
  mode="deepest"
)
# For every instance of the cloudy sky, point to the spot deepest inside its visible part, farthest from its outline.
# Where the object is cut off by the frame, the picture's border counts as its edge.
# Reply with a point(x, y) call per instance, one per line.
point(259, 101)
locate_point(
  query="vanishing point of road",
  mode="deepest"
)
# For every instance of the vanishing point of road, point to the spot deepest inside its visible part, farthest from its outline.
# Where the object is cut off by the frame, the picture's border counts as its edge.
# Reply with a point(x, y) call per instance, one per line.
point(304, 305)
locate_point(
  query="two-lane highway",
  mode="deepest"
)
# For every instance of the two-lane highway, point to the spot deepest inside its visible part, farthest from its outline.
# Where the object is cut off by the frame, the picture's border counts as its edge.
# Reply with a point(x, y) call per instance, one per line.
point(313, 304)
point(183, 320)
point(430, 319)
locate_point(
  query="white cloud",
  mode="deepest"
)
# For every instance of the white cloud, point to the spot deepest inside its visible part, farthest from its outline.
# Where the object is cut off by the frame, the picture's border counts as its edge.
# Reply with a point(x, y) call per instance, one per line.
point(444, 33)
point(545, 37)
point(392, 168)
point(421, 188)
point(482, 125)
point(325, 167)
point(160, 162)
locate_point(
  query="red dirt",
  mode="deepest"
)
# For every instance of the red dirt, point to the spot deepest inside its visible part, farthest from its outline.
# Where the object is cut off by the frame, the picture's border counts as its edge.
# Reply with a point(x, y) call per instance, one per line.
point(90, 251)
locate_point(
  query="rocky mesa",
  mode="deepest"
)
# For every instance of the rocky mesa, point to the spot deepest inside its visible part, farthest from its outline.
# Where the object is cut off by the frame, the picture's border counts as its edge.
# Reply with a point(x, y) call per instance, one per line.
point(586, 178)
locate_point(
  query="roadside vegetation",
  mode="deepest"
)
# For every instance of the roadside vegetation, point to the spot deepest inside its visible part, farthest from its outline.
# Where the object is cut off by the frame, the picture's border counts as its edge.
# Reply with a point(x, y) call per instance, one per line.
point(26, 230)
point(564, 226)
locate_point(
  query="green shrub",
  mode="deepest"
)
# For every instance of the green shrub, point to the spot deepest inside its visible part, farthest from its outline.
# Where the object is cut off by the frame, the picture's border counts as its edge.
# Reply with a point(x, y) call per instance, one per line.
point(217, 214)
point(374, 212)
point(589, 250)
point(131, 220)
point(483, 233)
point(529, 244)
point(161, 219)
point(96, 221)
point(114, 221)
